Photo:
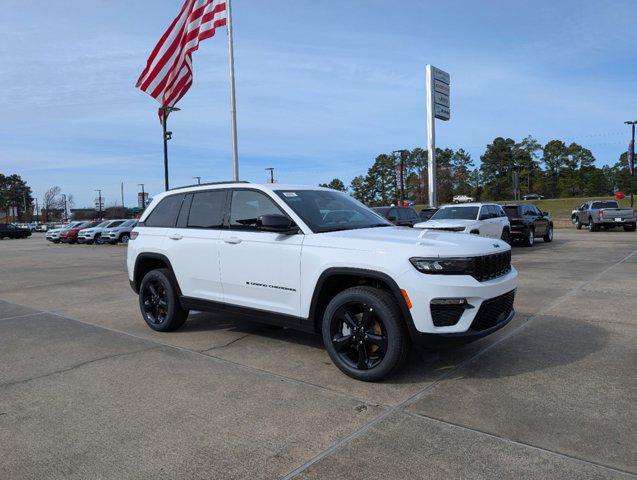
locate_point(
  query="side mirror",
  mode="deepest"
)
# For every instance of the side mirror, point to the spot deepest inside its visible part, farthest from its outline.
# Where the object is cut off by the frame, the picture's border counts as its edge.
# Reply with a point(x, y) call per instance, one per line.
point(275, 223)
point(546, 214)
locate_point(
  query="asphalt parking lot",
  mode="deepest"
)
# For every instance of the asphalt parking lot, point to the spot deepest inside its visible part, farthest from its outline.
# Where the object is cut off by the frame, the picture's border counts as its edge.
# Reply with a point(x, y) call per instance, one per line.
point(88, 391)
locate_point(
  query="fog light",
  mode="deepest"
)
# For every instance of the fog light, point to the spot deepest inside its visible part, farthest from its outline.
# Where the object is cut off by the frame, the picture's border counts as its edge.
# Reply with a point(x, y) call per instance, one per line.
point(459, 302)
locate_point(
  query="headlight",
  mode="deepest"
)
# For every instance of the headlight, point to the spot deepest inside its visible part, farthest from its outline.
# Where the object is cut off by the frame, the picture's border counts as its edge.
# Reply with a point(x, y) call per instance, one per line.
point(443, 266)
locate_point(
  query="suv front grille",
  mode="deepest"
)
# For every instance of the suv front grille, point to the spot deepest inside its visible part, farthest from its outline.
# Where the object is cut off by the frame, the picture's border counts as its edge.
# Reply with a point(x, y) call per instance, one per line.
point(494, 311)
point(493, 266)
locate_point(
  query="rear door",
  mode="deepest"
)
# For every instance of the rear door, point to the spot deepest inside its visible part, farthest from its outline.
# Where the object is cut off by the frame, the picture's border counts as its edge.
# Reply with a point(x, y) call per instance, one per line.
point(193, 244)
point(260, 270)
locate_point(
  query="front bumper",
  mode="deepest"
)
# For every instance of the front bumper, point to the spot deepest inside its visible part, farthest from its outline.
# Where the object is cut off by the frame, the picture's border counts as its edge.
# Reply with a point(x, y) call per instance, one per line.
point(422, 288)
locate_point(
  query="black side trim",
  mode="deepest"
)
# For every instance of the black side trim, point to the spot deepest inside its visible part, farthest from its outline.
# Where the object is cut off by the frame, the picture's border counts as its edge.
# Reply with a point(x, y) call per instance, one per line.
point(363, 273)
point(155, 256)
point(248, 313)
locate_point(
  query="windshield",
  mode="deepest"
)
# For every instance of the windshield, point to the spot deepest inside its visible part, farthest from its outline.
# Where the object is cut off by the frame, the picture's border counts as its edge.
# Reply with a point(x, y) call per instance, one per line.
point(456, 213)
point(329, 211)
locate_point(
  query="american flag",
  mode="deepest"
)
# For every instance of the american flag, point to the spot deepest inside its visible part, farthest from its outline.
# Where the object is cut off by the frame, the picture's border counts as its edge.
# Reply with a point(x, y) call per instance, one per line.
point(168, 73)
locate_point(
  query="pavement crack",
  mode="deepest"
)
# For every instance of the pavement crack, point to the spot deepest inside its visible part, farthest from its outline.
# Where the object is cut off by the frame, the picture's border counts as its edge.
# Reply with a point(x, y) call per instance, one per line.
point(515, 442)
point(225, 344)
point(76, 366)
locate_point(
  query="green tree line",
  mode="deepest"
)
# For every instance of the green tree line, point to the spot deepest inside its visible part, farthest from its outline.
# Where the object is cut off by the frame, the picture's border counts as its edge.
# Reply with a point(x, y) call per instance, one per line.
point(554, 170)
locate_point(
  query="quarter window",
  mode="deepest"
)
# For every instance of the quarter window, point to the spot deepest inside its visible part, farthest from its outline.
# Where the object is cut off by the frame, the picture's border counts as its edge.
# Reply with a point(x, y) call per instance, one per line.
point(207, 209)
point(247, 206)
point(165, 214)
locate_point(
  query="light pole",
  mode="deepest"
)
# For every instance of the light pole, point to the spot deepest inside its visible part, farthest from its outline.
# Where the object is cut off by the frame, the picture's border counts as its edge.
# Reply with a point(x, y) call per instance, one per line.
point(99, 202)
point(167, 136)
point(402, 179)
point(198, 180)
point(271, 169)
point(630, 156)
point(143, 196)
point(37, 216)
point(66, 217)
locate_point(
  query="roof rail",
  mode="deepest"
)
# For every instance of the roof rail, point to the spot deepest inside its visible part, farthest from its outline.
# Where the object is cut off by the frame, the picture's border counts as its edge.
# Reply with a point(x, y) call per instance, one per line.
point(208, 183)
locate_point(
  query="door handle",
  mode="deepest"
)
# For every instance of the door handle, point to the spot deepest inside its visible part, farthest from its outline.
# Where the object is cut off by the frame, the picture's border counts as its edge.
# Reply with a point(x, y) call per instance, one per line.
point(232, 240)
point(175, 236)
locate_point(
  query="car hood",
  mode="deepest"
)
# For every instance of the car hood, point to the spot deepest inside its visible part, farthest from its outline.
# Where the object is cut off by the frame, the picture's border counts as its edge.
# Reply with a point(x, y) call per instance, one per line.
point(447, 224)
point(407, 241)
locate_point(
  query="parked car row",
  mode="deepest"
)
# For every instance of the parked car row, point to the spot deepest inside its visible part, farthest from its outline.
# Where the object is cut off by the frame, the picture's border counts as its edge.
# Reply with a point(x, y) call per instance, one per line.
point(89, 232)
point(511, 222)
point(8, 230)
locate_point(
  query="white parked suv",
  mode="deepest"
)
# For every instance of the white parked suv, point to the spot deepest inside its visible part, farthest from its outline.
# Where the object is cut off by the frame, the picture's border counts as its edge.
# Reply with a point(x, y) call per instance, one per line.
point(316, 260)
point(482, 219)
point(94, 234)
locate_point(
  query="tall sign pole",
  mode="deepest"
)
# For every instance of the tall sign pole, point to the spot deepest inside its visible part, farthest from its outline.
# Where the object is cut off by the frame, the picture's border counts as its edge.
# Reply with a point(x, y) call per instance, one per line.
point(438, 106)
point(233, 103)
point(630, 157)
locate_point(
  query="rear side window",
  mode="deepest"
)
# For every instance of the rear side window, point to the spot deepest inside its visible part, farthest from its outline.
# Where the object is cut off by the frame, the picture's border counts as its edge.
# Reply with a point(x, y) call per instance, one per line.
point(598, 205)
point(207, 209)
point(403, 214)
point(247, 206)
point(165, 214)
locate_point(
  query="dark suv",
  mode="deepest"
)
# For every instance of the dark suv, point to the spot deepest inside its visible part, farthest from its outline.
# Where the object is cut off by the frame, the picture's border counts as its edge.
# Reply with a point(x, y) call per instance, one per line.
point(11, 231)
point(401, 216)
point(528, 223)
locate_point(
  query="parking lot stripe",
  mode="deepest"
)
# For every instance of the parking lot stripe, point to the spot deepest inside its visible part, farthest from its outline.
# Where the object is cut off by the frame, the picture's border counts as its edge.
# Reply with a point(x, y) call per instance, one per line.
point(22, 316)
point(421, 393)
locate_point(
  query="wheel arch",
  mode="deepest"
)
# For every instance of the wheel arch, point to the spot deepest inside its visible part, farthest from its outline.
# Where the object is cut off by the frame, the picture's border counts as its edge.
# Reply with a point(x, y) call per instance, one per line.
point(336, 279)
point(145, 262)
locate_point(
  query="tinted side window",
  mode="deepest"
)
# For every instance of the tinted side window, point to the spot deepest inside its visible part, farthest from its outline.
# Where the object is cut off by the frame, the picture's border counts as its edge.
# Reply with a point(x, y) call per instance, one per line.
point(247, 206)
point(207, 209)
point(403, 214)
point(165, 214)
point(391, 215)
point(486, 212)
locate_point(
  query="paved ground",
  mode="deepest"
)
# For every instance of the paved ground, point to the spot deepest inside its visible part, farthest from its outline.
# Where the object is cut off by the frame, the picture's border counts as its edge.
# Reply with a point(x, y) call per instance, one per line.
point(88, 391)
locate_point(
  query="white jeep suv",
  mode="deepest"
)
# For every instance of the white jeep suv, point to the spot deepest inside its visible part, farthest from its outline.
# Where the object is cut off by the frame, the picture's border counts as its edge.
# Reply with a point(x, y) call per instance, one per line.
point(483, 219)
point(317, 260)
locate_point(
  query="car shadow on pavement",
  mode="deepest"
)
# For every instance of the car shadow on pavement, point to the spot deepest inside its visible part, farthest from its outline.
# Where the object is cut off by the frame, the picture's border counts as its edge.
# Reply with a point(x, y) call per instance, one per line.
point(547, 342)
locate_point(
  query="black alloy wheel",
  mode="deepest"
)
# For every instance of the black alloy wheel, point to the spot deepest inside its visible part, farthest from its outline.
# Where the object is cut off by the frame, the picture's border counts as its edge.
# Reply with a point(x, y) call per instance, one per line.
point(365, 334)
point(159, 301)
point(155, 301)
point(578, 224)
point(358, 335)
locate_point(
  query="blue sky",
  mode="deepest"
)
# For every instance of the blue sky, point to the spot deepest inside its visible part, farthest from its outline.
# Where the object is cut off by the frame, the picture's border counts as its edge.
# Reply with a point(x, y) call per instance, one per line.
point(322, 87)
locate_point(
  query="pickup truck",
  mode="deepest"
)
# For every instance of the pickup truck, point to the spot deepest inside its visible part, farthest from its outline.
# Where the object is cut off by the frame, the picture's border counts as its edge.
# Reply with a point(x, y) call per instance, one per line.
point(605, 213)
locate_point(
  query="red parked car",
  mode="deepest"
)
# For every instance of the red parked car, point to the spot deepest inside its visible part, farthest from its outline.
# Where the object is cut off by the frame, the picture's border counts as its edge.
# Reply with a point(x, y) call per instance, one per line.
point(70, 234)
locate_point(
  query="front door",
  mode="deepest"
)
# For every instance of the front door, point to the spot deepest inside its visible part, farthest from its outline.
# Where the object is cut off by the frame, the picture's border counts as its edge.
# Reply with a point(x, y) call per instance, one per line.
point(259, 270)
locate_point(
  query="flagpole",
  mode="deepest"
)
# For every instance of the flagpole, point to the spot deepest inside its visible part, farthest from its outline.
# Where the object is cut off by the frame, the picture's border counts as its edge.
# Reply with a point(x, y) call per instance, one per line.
point(233, 105)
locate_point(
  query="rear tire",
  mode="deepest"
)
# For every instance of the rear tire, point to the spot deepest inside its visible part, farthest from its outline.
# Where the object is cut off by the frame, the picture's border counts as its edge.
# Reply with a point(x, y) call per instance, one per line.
point(159, 301)
point(506, 236)
point(529, 239)
point(364, 333)
point(630, 227)
point(591, 226)
point(549, 235)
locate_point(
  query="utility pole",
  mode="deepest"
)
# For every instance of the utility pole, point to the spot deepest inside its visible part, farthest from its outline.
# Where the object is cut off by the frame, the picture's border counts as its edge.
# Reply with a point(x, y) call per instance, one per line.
point(123, 195)
point(143, 196)
point(271, 169)
point(167, 136)
point(99, 202)
point(402, 174)
point(630, 156)
point(198, 180)
point(66, 217)
point(37, 215)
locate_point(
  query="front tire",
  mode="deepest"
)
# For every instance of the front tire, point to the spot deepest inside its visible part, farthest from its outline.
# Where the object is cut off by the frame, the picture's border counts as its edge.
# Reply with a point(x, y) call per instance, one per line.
point(98, 239)
point(124, 238)
point(549, 235)
point(578, 224)
point(159, 302)
point(364, 333)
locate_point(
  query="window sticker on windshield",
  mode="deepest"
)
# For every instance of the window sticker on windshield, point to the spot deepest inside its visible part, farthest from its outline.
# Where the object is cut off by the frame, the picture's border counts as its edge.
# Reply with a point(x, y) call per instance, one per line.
point(290, 194)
